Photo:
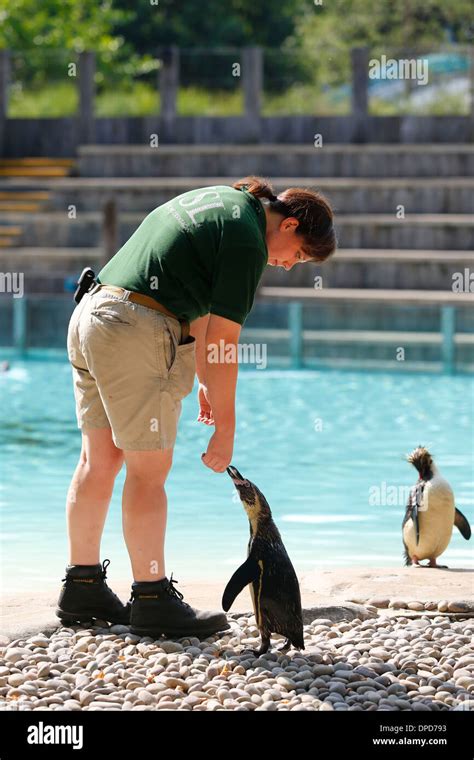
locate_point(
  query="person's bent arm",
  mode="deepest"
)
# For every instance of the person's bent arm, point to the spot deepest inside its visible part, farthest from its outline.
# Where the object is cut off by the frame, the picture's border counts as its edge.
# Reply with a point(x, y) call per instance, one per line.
point(198, 330)
point(221, 370)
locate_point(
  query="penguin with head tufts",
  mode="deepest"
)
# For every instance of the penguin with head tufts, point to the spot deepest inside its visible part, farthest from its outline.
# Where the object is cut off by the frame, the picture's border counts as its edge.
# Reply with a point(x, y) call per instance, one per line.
point(430, 513)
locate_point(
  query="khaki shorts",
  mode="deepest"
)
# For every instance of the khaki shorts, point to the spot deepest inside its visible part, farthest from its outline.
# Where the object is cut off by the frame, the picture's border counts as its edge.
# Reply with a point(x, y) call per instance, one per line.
point(130, 370)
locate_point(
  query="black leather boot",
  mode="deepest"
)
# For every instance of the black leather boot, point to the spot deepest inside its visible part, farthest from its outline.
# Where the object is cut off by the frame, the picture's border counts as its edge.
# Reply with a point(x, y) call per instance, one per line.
point(157, 608)
point(85, 595)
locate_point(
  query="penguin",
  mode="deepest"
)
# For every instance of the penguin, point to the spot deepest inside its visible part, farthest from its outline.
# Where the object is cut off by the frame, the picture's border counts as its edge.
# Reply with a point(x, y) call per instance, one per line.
point(268, 572)
point(430, 513)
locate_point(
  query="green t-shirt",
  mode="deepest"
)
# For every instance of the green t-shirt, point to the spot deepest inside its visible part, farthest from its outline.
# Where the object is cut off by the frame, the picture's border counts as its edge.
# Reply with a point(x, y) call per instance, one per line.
point(201, 252)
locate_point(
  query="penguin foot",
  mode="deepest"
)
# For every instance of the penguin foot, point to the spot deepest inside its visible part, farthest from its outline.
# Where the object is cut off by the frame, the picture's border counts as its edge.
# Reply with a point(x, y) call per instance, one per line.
point(433, 563)
point(284, 647)
point(255, 652)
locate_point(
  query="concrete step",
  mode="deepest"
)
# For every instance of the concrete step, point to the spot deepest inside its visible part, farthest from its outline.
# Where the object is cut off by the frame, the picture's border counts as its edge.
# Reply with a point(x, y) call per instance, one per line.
point(388, 337)
point(349, 268)
point(393, 269)
point(416, 231)
point(21, 195)
point(34, 167)
point(346, 194)
point(65, 261)
point(331, 160)
point(354, 309)
point(37, 161)
point(405, 298)
point(10, 231)
point(33, 171)
point(20, 206)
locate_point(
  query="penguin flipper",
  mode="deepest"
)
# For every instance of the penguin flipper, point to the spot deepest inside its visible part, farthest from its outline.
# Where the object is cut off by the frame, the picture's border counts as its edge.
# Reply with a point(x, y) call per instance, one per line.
point(244, 575)
point(414, 517)
point(415, 503)
point(462, 524)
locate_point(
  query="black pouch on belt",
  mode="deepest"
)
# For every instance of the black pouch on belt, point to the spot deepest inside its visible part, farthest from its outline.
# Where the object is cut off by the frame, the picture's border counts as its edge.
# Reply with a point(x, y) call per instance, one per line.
point(84, 283)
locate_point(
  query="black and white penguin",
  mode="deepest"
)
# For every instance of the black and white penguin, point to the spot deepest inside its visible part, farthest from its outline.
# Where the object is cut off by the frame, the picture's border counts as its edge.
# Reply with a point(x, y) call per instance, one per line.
point(430, 514)
point(267, 571)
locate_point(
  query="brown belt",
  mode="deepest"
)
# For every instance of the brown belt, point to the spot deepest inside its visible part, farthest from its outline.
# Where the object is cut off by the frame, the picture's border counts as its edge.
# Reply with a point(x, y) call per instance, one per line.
point(150, 303)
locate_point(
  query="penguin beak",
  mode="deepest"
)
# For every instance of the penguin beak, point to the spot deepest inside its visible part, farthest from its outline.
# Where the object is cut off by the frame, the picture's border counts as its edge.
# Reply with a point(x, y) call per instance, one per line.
point(237, 478)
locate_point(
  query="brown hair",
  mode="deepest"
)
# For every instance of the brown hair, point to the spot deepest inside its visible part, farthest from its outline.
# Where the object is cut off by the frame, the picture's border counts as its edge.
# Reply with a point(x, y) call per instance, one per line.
point(309, 207)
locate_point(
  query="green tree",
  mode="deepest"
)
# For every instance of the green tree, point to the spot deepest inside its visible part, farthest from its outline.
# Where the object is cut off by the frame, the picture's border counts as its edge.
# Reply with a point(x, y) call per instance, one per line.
point(325, 33)
point(59, 24)
point(208, 23)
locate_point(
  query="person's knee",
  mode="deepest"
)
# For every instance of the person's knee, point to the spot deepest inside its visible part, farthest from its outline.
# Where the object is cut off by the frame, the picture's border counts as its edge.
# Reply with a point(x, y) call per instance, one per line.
point(105, 463)
point(148, 469)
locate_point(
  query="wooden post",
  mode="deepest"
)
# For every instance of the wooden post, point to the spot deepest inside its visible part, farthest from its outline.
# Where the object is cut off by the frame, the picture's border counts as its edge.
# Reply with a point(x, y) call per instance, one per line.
point(110, 237)
point(4, 85)
point(360, 91)
point(252, 84)
point(86, 97)
point(169, 85)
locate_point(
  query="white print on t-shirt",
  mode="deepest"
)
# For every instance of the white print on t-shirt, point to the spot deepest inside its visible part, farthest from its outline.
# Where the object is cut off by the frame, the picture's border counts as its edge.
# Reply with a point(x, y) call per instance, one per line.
point(178, 218)
point(190, 203)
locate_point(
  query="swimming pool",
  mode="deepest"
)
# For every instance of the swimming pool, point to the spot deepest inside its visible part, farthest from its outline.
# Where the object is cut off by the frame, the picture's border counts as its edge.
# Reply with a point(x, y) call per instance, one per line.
point(325, 447)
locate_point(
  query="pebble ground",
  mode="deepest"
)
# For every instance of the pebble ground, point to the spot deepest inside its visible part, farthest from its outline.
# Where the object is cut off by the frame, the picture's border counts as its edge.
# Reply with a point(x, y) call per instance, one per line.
point(384, 663)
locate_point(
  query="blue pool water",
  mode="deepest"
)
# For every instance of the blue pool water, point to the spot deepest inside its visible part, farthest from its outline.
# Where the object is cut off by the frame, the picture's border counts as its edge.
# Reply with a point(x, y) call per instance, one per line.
point(326, 448)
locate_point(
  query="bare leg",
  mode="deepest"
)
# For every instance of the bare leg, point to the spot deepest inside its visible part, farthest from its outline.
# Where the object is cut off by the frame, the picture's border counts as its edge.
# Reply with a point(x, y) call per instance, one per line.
point(144, 511)
point(89, 495)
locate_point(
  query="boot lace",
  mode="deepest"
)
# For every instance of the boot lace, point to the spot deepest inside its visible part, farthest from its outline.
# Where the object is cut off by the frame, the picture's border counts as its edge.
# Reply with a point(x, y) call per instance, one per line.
point(104, 576)
point(172, 591)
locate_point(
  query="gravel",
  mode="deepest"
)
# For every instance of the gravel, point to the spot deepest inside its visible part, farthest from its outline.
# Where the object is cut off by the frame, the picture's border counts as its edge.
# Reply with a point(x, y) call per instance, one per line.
point(384, 663)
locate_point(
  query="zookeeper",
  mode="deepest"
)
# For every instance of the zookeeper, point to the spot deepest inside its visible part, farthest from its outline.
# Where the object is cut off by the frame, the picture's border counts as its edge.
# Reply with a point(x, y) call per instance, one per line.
point(185, 280)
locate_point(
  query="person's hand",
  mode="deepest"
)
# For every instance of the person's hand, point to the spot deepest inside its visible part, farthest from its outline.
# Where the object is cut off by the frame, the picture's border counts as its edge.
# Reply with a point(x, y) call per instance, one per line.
point(219, 451)
point(205, 412)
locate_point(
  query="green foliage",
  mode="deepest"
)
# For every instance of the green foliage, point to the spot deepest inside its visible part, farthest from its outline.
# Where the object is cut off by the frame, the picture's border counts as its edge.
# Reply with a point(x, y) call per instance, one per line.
point(208, 23)
point(326, 33)
point(59, 24)
point(307, 49)
point(50, 100)
point(142, 99)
